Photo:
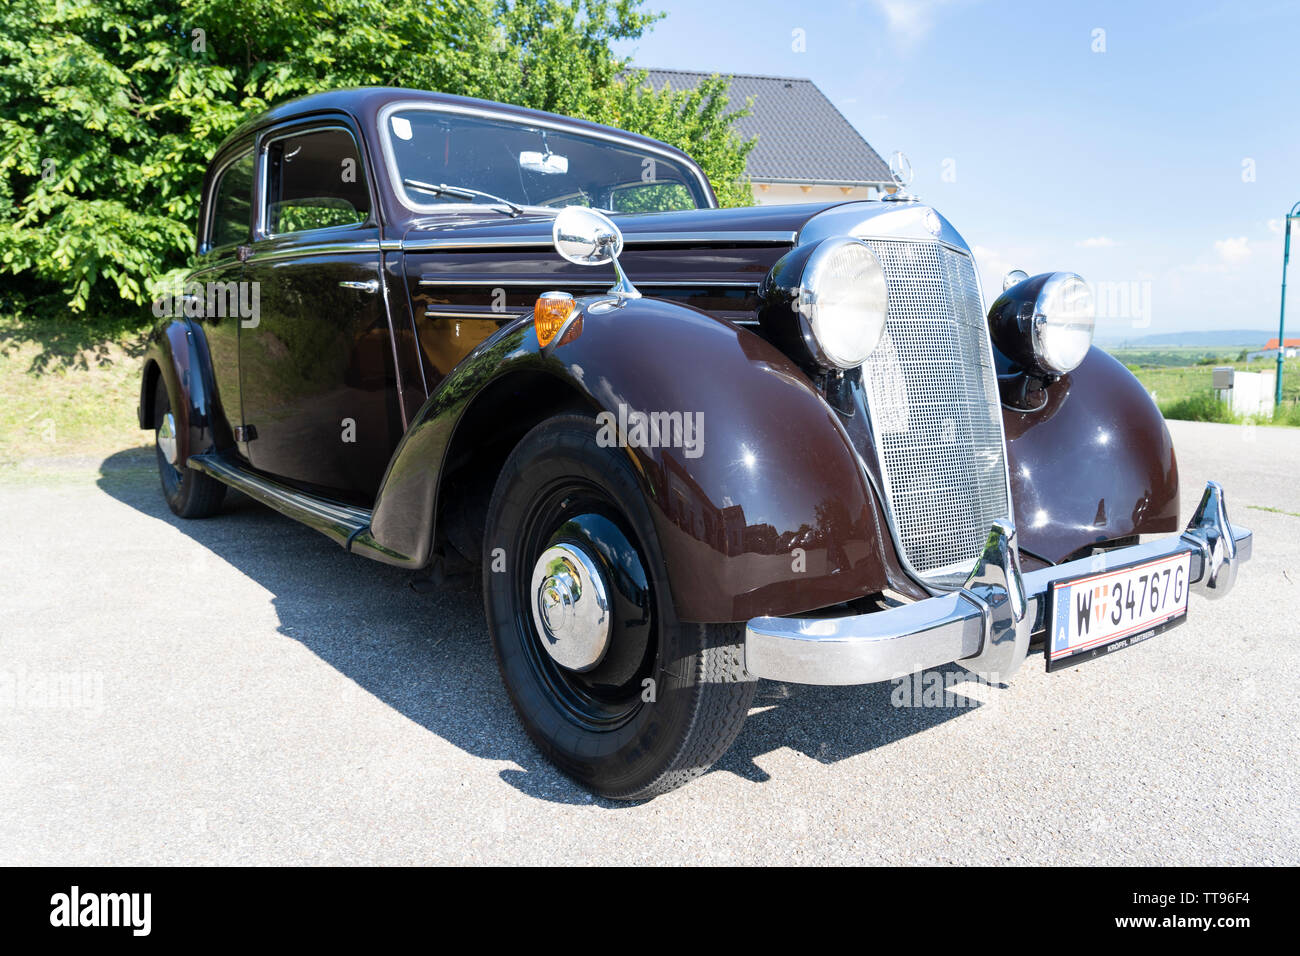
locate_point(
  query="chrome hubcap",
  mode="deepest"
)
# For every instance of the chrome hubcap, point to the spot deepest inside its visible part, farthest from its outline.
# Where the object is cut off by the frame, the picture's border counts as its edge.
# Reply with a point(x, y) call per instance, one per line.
point(167, 438)
point(571, 607)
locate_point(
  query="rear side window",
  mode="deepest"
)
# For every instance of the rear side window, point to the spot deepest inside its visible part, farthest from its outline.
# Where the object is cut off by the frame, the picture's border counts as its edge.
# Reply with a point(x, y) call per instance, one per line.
point(232, 204)
point(314, 181)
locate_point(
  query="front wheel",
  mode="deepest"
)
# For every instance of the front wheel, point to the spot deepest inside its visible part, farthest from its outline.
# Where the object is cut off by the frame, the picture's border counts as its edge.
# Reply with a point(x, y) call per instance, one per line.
point(609, 684)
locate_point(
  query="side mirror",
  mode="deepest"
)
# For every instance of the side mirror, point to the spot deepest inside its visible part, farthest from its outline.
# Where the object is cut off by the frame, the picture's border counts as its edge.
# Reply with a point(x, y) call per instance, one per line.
point(589, 238)
point(586, 236)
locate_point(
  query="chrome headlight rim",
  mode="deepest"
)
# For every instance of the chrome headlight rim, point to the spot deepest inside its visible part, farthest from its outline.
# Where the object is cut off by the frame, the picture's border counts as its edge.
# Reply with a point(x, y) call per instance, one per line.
point(807, 301)
point(1043, 321)
point(1024, 316)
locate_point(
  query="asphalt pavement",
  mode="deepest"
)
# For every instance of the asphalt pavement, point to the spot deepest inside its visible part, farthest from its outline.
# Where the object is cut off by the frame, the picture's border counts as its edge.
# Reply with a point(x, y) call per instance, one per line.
point(240, 690)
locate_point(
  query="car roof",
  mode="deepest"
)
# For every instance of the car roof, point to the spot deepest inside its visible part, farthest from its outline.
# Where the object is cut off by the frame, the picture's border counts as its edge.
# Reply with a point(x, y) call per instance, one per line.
point(363, 103)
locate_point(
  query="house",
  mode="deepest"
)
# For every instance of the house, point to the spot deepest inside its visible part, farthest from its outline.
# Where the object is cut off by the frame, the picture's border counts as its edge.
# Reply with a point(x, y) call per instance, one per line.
point(1290, 349)
point(805, 149)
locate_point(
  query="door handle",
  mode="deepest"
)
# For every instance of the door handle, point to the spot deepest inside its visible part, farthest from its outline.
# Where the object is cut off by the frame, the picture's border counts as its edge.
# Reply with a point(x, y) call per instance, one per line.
point(370, 285)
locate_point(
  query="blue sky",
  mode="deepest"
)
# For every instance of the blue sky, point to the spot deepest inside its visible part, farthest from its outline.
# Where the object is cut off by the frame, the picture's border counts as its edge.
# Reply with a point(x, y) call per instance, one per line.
point(1160, 169)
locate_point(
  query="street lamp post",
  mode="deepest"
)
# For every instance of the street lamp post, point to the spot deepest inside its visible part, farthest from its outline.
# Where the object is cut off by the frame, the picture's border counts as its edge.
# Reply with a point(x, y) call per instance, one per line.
point(1281, 320)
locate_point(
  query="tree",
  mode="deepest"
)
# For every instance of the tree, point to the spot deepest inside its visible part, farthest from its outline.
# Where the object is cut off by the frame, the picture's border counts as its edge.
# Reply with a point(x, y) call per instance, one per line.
point(110, 109)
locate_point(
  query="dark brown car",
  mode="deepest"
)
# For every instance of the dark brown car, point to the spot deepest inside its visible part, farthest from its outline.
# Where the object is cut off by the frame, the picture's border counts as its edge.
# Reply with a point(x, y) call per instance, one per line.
point(684, 447)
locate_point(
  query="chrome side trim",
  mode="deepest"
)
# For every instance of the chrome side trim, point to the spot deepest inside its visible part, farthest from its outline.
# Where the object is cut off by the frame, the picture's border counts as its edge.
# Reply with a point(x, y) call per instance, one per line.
point(499, 317)
point(548, 282)
point(316, 249)
point(987, 625)
point(719, 238)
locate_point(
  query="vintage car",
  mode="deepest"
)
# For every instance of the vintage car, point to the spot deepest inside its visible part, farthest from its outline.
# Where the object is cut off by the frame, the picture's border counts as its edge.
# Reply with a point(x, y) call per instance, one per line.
point(683, 447)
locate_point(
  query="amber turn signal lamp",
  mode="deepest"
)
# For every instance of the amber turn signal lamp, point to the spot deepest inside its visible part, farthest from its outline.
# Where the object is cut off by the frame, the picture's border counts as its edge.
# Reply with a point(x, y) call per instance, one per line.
point(549, 315)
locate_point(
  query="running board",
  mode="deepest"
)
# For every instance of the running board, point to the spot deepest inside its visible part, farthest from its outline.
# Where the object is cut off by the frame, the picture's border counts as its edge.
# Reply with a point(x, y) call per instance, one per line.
point(334, 520)
point(343, 524)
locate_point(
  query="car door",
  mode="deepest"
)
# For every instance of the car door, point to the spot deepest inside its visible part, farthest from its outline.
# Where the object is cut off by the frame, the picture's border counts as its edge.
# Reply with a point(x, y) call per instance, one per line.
point(226, 228)
point(316, 367)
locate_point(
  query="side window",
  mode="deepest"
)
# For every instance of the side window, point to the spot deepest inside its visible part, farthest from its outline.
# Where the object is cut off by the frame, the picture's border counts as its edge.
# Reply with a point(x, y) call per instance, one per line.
point(314, 180)
point(232, 204)
point(651, 197)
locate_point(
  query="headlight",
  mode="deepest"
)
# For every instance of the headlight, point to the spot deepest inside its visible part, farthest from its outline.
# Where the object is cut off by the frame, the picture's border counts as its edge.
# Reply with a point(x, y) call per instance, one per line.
point(831, 297)
point(1046, 323)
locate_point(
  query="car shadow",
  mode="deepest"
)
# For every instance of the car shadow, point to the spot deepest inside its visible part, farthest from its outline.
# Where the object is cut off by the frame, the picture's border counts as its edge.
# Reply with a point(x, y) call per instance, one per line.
point(428, 655)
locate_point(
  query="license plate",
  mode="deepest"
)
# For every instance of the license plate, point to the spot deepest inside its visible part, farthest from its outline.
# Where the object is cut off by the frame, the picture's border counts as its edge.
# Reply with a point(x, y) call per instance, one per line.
point(1102, 613)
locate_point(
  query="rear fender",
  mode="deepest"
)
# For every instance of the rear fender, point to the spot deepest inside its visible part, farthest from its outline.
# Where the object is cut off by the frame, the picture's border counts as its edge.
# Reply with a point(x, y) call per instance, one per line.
point(177, 352)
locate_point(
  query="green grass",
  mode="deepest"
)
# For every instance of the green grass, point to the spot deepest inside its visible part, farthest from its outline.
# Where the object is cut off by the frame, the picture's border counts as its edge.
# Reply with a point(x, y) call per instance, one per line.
point(1276, 511)
point(1180, 381)
point(68, 387)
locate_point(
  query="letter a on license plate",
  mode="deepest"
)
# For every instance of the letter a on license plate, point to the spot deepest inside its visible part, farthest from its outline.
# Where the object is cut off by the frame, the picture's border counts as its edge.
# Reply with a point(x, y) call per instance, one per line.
point(1101, 613)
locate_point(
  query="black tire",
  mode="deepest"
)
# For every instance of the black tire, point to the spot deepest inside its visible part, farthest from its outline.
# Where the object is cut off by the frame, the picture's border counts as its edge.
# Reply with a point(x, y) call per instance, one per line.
point(598, 727)
point(189, 493)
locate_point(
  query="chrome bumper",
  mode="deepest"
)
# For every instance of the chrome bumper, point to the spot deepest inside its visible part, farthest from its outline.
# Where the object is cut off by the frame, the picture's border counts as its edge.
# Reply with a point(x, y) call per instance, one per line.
point(988, 623)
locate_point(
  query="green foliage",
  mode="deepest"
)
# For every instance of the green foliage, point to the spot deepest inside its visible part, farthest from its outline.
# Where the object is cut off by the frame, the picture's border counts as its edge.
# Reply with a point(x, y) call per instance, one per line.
point(1199, 407)
point(110, 109)
point(1288, 413)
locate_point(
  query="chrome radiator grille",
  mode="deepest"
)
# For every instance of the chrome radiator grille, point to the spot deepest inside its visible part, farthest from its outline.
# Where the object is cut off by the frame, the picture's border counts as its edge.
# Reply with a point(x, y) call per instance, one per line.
point(933, 395)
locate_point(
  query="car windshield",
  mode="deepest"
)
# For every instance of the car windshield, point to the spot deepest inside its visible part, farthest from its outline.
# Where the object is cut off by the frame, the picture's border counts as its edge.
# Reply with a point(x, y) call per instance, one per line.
point(531, 165)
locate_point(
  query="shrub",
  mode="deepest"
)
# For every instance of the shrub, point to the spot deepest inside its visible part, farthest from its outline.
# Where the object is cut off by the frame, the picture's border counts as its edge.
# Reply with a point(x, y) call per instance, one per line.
point(110, 109)
point(1198, 407)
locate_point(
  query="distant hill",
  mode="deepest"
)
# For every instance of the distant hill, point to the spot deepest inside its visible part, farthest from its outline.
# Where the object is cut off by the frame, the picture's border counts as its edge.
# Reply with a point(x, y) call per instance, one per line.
point(1223, 338)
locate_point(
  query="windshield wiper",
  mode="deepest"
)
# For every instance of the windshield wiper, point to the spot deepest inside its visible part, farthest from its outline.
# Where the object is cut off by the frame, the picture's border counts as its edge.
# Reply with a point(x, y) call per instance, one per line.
point(463, 192)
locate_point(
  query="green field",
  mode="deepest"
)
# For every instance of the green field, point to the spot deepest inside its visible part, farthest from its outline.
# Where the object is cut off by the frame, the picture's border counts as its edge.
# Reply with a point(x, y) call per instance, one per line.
point(1180, 381)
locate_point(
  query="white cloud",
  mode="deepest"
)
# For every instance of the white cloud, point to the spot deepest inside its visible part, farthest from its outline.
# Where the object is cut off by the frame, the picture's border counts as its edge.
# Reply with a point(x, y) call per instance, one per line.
point(993, 266)
point(1096, 242)
point(1233, 250)
point(1275, 226)
point(910, 20)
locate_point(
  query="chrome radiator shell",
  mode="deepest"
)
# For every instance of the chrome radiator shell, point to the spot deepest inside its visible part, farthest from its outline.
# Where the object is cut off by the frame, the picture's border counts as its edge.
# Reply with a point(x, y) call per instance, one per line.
point(936, 416)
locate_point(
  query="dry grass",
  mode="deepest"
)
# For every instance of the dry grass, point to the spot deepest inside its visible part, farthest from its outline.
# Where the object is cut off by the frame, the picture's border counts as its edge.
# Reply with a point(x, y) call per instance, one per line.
point(67, 388)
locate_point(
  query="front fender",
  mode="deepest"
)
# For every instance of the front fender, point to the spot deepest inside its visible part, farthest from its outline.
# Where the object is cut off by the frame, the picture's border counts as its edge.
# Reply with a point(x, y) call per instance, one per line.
point(766, 513)
point(1097, 463)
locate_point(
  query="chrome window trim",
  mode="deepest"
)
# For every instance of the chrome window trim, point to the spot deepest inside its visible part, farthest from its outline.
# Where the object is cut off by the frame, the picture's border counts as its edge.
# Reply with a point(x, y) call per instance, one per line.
point(205, 230)
point(399, 188)
point(262, 173)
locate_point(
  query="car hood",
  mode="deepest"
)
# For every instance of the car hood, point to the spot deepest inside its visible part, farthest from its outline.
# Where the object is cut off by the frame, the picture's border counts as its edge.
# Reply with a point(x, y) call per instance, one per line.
point(777, 223)
point(748, 225)
point(712, 259)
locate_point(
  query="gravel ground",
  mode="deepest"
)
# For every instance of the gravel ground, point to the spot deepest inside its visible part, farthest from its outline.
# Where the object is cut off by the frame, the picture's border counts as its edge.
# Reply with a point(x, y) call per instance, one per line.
point(239, 690)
